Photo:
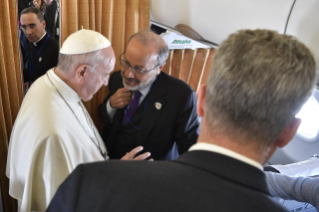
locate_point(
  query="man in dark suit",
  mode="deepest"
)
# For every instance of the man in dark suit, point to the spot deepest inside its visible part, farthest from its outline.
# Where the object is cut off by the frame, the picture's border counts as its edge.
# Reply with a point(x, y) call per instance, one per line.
point(164, 122)
point(43, 49)
point(259, 81)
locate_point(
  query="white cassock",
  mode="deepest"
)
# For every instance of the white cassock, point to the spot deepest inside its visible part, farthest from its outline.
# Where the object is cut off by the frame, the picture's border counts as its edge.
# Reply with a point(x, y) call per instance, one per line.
point(48, 141)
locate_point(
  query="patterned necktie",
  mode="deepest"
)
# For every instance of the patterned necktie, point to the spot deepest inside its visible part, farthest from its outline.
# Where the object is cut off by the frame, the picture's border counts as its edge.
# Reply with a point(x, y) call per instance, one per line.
point(132, 107)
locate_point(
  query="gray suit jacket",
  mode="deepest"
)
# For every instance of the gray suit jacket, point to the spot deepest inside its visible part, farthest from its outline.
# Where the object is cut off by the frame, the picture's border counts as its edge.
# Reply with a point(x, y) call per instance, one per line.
point(302, 189)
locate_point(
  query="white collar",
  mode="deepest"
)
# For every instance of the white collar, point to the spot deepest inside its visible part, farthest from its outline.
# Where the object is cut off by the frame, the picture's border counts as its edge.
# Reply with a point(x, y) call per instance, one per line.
point(66, 91)
point(224, 151)
point(35, 43)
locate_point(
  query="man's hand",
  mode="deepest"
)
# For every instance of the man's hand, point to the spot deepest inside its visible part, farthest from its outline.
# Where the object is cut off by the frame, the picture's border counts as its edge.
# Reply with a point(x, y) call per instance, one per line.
point(120, 98)
point(130, 155)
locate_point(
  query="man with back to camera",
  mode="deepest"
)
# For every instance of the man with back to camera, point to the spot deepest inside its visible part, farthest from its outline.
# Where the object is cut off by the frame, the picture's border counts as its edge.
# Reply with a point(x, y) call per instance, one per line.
point(146, 106)
point(258, 82)
point(43, 50)
point(53, 132)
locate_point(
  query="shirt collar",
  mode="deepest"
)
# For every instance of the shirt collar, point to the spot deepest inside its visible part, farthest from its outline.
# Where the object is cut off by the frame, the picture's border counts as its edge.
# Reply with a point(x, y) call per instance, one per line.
point(66, 91)
point(224, 151)
point(35, 43)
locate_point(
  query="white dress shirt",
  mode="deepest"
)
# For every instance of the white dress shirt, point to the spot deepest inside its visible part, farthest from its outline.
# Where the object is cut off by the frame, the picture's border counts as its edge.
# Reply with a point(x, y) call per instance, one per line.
point(224, 151)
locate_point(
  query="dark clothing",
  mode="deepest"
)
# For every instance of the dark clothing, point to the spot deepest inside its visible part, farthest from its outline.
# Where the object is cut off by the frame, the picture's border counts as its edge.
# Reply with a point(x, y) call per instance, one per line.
point(24, 45)
point(196, 181)
point(126, 136)
point(47, 59)
point(175, 123)
point(22, 4)
point(50, 17)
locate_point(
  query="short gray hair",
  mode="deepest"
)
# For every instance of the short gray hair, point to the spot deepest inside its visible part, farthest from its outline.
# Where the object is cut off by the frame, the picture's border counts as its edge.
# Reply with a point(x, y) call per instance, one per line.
point(258, 82)
point(71, 62)
point(147, 37)
point(35, 11)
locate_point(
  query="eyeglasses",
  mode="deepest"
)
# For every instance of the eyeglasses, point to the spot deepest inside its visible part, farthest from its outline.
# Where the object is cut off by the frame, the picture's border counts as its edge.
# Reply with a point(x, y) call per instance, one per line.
point(31, 26)
point(137, 71)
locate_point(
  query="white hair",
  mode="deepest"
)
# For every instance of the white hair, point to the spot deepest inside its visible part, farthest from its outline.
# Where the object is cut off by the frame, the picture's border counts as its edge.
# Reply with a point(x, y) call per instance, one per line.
point(71, 62)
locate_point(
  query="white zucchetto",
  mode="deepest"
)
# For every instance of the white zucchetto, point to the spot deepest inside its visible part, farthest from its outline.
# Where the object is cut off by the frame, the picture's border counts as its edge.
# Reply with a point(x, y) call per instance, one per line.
point(84, 41)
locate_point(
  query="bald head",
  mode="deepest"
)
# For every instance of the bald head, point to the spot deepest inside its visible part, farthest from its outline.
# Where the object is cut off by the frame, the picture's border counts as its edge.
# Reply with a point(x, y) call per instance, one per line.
point(150, 39)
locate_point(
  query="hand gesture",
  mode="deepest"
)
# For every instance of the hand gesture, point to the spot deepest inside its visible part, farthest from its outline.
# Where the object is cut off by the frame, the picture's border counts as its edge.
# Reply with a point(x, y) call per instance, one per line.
point(121, 98)
point(130, 155)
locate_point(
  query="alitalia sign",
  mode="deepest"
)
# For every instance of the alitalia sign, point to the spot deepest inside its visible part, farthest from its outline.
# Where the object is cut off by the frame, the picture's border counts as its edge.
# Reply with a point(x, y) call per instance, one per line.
point(181, 42)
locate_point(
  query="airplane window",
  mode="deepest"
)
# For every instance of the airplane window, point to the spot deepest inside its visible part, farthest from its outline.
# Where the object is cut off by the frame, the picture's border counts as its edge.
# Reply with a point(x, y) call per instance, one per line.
point(309, 127)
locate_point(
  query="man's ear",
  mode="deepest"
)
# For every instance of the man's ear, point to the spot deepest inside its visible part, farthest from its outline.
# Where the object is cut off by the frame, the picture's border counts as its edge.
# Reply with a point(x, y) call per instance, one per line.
point(81, 73)
point(44, 24)
point(159, 69)
point(201, 101)
point(287, 135)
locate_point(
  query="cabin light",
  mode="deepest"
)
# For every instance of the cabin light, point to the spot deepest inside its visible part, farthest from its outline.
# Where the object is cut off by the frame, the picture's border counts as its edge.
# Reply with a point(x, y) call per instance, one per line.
point(309, 115)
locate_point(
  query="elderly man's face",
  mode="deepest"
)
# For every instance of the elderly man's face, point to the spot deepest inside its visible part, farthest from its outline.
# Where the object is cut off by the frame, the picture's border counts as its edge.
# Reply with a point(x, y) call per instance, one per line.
point(100, 77)
point(34, 28)
point(144, 58)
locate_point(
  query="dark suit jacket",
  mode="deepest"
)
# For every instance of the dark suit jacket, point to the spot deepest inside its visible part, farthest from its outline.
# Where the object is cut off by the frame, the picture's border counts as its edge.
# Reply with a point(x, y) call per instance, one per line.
point(197, 181)
point(51, 19)
point(49, 58)
point(176, 121)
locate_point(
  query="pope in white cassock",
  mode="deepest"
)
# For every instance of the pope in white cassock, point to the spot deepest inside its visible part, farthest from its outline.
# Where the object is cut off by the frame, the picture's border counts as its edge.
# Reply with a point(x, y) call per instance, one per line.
point(53, 132)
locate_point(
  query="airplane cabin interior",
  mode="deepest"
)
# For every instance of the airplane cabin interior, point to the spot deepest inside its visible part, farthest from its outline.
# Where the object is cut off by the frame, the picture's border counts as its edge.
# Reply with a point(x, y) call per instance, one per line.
point(193, 30)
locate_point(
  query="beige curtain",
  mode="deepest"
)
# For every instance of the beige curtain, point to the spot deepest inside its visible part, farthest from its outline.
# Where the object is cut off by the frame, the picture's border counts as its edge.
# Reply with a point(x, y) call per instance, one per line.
point(191, 66)
point(115, 19)
point(10, 89)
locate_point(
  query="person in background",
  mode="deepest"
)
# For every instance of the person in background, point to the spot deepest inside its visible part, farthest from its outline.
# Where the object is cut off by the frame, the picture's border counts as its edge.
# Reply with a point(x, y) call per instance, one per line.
point(24, 43)
point(146, 106)
point(43, 50)
point(51, 17)
point(22, 4)
point(53, 132)
point(40, 4)
point(258, 82)
point(302, 189)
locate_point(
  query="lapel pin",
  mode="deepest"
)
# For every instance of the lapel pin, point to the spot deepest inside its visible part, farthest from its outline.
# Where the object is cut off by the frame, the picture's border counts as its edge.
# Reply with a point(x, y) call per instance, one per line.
point(158, 105)
point(40, 59)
